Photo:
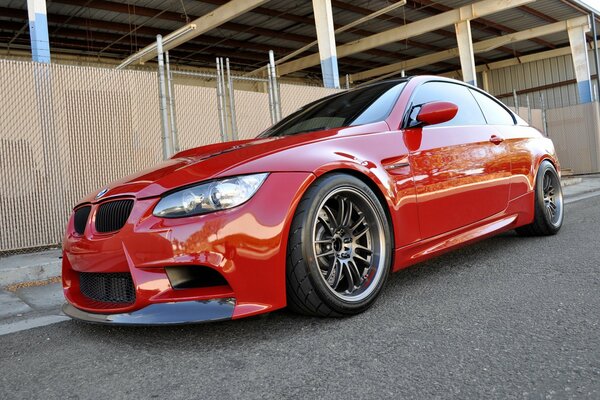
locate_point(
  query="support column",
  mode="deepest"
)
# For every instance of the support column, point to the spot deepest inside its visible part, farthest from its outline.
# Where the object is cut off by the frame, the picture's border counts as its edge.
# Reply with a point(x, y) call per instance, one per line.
point(326, 39)
point(38, 30)
point(596, 57)
point(485, 75)
point(581, 62)
point(465, 51)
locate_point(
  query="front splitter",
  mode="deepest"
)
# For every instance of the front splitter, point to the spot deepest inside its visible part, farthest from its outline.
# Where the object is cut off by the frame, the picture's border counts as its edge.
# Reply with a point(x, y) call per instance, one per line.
point(185, 312)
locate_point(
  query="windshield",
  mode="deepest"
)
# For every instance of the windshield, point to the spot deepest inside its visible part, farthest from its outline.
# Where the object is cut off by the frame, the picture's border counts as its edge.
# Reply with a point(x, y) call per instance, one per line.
point(353, 107)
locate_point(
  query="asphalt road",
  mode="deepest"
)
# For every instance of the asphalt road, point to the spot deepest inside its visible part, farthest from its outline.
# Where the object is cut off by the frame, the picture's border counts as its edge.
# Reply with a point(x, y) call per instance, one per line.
point(509, 317)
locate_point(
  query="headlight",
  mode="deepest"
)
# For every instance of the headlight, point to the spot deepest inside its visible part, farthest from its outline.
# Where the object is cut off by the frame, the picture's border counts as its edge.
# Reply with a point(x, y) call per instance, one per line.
point(211, 196)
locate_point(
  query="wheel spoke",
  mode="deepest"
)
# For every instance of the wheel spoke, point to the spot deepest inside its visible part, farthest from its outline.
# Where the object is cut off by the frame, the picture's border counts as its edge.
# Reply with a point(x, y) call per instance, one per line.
point(360, 221)
point(346, 212)
point(550, 210)
point(341, 209)
point(327, 253)
point(332, 275)
point(362, 233)
point(340, 274)
point(363, 248)
point(349, 278)
point(331, 217)
point(326, 224)
point(354, 269)
point(358, 256)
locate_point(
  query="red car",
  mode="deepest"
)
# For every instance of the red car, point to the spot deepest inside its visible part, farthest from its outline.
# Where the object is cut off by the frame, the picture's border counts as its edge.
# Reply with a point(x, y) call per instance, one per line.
point(315, 212)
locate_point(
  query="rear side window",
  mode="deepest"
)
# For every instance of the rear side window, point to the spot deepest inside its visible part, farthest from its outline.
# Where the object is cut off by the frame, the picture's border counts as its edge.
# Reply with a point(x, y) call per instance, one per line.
point(494, 113)
point(469, 112)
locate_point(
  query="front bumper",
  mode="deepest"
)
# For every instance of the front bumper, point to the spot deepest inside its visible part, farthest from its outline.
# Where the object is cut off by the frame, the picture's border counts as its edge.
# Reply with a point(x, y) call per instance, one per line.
point(185, 312)
point(246, 245)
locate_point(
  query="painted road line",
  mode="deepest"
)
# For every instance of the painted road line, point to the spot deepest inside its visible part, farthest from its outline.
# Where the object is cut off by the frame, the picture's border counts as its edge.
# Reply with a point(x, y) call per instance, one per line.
point(582, 196)
point(31, 323)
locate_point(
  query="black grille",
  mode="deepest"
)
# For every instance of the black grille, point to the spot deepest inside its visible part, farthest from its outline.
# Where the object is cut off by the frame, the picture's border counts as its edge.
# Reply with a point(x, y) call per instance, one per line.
point(80, 219)
point(111, 216)
point(116, 287)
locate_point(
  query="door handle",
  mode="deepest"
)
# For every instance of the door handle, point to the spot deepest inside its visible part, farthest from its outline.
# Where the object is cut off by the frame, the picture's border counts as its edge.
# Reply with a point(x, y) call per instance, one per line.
point(496, 139)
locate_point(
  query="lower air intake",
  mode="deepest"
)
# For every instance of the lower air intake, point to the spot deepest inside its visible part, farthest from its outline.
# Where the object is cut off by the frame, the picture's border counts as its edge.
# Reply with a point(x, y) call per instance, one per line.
point(107, 287)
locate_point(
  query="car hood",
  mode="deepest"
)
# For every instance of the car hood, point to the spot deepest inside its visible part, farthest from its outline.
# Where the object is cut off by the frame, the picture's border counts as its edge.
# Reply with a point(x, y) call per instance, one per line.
point(214, 161)
point(201, 164)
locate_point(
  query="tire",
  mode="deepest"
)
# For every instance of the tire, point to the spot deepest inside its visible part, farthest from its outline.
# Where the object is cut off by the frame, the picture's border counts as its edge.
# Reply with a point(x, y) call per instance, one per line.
point(339, 250)
point(548, 203)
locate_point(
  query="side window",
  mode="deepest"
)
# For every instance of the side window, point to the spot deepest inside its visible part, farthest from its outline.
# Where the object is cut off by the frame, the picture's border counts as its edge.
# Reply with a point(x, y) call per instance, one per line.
point(494, 113)
point(469, 112)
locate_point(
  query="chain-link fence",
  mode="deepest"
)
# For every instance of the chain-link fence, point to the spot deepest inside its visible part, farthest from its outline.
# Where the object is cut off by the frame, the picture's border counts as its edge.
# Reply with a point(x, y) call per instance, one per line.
point(295, 96)
point(204, 111)
point(197, 119)
point(66, 131)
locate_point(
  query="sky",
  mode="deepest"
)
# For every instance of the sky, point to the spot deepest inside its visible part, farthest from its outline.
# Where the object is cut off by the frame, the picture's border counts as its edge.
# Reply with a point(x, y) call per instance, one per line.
point(593, 4)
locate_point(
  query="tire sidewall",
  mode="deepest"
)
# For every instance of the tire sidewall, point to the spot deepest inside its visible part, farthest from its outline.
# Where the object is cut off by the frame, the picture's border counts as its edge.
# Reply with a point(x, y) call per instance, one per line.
point(321, 189)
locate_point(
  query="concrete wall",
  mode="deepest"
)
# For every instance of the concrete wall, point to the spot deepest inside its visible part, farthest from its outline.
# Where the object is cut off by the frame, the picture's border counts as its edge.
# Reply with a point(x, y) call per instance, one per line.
point(575, 131)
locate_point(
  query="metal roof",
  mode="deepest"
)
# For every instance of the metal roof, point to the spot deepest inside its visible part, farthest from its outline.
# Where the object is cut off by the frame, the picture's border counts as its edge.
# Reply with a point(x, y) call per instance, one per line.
point(109, 28)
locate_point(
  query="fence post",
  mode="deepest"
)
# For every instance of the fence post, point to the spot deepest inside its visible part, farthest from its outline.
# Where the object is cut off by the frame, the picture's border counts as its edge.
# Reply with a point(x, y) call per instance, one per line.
point(528, 110)
point(220, 102)
point(234, 131)
point(270, 89)
point(171, 92)
point(544, 121)
point(166, 139)
point(226, 120)
point(276, 102)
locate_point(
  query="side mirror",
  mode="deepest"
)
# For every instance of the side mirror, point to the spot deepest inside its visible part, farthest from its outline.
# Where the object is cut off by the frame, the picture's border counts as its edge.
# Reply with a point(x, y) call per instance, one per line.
point(436, 112)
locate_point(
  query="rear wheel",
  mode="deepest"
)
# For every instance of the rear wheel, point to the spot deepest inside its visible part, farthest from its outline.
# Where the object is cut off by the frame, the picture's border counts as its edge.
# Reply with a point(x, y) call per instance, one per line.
point(549, 207)
point(339, 250)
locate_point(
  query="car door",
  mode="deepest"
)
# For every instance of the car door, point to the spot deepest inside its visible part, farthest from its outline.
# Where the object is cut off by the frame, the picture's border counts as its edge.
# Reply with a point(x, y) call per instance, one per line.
point(516, 140)
point(460, 167)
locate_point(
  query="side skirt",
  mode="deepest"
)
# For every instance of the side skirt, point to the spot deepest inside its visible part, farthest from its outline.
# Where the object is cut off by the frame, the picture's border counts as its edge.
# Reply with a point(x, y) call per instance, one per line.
point(428, 248)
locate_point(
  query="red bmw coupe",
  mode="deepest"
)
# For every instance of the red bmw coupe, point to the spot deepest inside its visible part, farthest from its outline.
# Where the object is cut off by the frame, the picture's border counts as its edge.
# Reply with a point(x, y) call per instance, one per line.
point(314, 213)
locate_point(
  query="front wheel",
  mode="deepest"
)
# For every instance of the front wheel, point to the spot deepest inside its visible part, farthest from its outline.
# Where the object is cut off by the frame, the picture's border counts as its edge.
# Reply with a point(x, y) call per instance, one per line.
point(339, 250)
point(548, 203)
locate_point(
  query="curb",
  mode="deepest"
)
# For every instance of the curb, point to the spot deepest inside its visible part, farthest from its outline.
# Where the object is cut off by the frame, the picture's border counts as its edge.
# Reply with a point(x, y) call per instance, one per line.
point(30, 267)
point(570, 181)
point(587, 194)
